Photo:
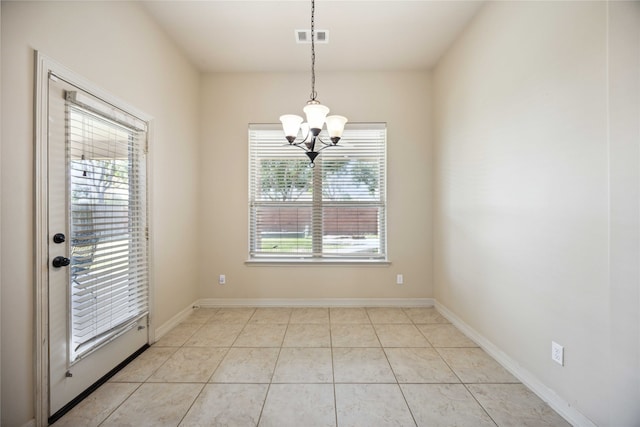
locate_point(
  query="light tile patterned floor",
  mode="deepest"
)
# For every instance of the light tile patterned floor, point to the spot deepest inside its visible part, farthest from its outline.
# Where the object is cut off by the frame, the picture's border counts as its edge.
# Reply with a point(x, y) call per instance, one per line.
point(310, 367)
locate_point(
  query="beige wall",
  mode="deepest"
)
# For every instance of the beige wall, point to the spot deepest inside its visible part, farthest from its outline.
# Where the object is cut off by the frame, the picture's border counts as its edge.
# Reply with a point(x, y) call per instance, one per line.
point(1, 115)
point(536, 194)
point(231, 101)
point(116, 46)
point(624, 212)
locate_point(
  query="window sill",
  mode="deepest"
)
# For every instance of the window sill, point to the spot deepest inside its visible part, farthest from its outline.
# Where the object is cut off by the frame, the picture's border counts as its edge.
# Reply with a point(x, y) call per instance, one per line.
point(316, 261)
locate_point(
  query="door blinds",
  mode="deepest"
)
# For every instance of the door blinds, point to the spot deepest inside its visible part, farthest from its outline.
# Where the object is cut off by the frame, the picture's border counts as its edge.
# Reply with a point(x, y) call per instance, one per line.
point(335, 210)
point(108, 222)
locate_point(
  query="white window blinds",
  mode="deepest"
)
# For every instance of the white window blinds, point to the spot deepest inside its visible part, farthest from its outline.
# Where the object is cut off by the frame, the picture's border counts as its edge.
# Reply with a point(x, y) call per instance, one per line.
point(335, 210)
point(108, 229)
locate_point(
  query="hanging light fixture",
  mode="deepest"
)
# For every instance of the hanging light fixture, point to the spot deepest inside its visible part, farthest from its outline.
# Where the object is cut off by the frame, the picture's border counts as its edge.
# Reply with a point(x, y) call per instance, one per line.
point(316, 116)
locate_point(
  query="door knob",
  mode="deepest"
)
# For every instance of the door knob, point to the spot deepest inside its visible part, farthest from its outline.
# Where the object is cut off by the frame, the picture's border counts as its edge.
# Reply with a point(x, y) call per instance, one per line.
point(59, 238)
point(61, 261)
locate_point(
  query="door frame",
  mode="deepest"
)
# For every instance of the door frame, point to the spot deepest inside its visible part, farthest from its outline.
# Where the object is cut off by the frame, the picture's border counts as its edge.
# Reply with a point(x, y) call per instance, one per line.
point(44, 66)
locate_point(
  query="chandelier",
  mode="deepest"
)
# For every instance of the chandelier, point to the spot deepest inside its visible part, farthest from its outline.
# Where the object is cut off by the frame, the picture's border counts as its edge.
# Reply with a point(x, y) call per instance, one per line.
point(316, 114)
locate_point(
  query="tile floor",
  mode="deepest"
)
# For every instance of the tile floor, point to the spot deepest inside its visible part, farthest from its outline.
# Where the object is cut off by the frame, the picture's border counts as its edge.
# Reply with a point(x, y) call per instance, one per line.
point(310, 367)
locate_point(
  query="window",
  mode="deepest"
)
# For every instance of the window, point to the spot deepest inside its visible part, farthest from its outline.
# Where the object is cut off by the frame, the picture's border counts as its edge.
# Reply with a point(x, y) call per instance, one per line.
point(336, 210)
point(108, 224)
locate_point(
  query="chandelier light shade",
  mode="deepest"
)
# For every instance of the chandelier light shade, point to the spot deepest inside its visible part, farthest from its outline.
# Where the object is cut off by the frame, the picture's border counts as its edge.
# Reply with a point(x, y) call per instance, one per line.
point(335, 127)
point(316, 115)
point(291, 125)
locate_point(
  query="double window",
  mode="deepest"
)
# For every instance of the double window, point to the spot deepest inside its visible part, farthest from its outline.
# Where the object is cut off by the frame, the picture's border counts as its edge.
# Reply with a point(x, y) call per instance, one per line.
point(336, 210)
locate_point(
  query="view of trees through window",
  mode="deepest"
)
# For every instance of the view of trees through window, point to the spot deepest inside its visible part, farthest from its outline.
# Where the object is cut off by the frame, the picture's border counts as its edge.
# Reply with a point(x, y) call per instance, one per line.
point(290, 180)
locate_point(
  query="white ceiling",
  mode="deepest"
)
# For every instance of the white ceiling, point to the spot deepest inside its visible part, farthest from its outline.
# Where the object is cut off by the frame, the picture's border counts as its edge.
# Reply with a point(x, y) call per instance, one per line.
point(247, 36)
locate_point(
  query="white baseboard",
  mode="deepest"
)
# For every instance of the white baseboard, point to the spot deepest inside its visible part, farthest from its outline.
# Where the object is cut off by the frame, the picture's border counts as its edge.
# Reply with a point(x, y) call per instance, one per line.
point(314, 302)
point(30, 423)
point(288, 302)
point(174, 321)
point(561, 406)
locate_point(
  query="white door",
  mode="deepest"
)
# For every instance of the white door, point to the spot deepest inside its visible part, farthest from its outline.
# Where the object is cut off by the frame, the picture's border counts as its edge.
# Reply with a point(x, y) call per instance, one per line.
point(97, 226)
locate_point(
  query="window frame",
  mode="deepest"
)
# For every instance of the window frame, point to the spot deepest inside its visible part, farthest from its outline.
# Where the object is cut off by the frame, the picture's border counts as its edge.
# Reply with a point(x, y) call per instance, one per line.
point(318, 205)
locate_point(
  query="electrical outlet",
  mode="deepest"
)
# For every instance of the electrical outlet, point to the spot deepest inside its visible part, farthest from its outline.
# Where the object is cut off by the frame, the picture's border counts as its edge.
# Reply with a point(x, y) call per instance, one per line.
point(557, 353)
point(222, 279)
point(399, 279)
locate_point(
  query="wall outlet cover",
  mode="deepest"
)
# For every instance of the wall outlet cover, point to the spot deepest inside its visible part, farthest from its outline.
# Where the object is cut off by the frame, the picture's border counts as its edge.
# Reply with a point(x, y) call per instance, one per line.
point(557, 353)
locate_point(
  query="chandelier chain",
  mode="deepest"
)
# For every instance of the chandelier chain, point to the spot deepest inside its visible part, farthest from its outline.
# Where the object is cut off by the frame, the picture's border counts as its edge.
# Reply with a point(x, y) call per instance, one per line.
point(314, 94)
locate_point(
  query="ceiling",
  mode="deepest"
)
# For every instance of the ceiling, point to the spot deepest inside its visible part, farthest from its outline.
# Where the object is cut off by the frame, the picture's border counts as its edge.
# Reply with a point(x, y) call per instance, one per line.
point(259, 36)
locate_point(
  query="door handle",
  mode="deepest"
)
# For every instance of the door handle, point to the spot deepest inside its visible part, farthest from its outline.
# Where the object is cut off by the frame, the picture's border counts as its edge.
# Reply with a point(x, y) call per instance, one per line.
point(61, 261)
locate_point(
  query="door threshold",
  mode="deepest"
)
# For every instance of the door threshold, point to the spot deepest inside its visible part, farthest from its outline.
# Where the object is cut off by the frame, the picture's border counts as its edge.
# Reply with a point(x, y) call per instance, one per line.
point(93, 387)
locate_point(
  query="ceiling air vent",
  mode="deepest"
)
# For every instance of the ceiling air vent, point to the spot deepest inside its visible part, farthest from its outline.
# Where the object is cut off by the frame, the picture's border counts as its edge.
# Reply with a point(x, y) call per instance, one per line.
point(304, 36)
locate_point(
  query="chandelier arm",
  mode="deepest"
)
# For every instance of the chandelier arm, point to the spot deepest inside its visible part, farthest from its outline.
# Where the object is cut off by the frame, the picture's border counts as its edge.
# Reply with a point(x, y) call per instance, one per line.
point(306, 144)
point(317, 139)
point(299, 145)
point(325, 146)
